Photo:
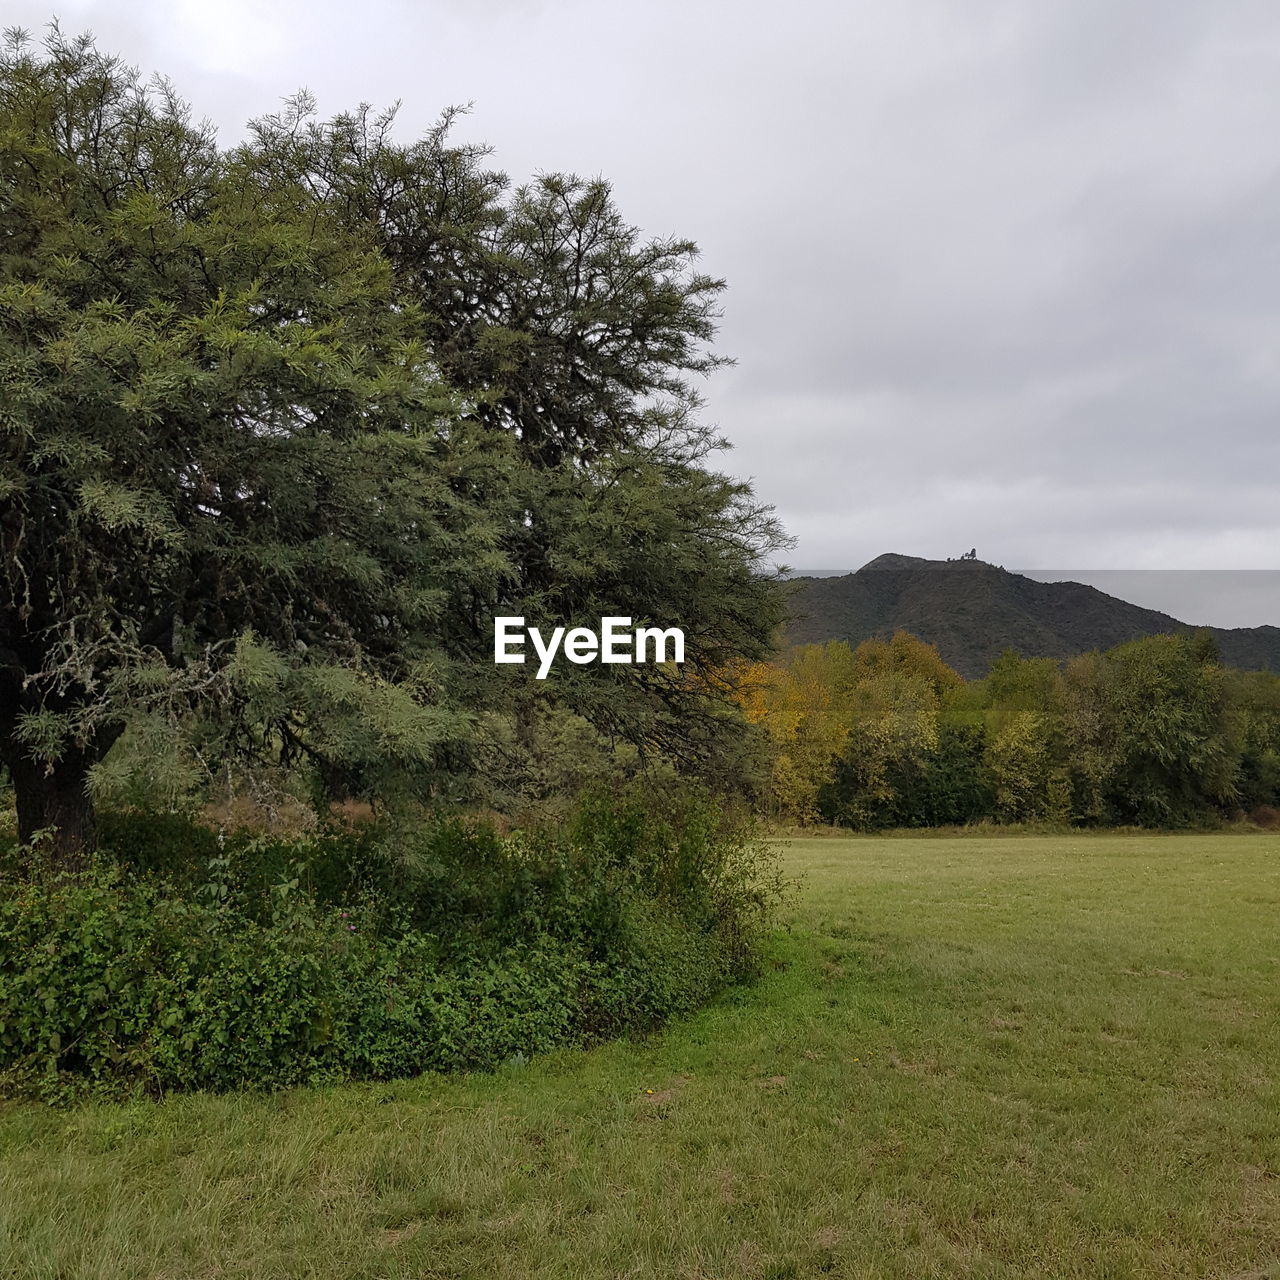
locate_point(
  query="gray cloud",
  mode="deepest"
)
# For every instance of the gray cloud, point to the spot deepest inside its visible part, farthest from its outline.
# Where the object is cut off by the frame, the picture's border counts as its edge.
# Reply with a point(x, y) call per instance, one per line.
point(1003, 274)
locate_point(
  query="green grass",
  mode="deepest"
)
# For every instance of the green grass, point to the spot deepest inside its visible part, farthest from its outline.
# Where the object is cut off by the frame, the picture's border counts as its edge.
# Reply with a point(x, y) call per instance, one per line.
point(1054, 1056)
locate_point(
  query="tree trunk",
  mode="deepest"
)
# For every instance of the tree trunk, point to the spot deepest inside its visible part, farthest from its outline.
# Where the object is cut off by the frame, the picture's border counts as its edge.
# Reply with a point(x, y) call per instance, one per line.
point(56, 799)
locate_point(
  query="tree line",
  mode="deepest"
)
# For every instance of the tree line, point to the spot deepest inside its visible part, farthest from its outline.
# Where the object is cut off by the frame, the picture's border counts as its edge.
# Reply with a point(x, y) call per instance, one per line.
point(1156, 732)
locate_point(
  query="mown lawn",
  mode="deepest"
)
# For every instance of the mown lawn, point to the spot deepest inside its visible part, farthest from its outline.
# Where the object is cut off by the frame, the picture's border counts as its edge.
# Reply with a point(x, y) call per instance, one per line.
point(1055, 1056)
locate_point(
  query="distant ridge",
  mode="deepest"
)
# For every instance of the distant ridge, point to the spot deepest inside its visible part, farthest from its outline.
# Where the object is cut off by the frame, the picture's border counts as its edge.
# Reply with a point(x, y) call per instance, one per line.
point(974, 611)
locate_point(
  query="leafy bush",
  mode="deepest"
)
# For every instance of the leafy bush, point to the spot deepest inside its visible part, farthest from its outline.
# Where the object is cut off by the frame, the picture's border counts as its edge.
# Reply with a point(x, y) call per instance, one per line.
point(178, 961)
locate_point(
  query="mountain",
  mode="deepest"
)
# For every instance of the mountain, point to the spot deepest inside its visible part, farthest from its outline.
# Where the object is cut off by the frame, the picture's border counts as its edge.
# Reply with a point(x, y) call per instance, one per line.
point(974, 611)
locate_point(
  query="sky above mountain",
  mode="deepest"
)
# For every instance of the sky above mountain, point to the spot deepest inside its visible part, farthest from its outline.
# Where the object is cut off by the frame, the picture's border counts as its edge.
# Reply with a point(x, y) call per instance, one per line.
point(1002, 275)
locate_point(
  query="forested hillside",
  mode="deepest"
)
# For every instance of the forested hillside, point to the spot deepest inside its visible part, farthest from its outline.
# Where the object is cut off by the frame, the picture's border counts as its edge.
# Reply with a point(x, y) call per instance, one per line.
point(974, 611)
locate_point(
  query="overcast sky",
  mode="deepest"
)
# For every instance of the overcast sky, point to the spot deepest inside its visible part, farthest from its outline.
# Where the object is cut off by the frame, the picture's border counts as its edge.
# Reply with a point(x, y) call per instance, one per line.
point(1003, 274)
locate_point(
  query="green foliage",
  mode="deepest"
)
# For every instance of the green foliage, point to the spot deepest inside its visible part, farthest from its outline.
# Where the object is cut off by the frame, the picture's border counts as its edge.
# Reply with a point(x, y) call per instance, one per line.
point(216, 428)
point(180, 960)
point(284, 426)
point(149, 767)
point(1029, 783)
point(1254, 702)
point(1152, 733)
point(954, 787)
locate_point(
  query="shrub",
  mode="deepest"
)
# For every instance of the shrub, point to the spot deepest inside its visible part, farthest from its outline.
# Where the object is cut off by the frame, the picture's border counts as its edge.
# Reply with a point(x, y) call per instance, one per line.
point(179, 961)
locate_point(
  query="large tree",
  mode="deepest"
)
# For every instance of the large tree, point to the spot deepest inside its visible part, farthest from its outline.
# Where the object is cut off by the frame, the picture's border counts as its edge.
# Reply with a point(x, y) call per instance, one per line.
point(574, 337)
point(282, 427)
point(219, 437)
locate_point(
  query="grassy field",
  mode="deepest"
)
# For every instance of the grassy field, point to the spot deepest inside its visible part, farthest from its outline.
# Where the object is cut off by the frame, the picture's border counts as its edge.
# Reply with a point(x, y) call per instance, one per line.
point(1052, 1056)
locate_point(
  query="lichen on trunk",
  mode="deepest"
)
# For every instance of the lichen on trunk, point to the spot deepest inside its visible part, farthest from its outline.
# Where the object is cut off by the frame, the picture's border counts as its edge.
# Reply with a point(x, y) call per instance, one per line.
point(54, 804)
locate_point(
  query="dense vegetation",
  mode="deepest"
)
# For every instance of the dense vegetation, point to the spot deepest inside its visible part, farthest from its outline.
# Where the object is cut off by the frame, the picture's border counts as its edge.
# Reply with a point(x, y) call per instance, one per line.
point(1154, 733)
point(181, 960)
point(283, 426)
